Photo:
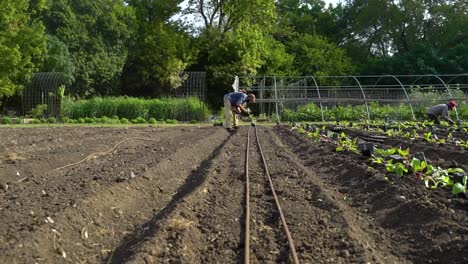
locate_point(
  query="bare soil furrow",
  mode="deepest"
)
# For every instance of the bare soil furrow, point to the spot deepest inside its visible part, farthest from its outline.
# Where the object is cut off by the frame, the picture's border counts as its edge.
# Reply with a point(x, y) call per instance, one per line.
point(90, 228)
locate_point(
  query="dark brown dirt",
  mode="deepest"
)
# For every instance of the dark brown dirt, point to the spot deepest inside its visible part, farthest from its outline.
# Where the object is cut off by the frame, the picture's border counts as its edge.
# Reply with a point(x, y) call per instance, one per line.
point(176, 195)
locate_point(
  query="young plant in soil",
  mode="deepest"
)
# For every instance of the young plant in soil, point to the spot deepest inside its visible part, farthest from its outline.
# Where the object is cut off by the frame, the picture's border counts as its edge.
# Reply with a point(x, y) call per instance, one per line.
point(459, 188)
point(436, 177)
point(428, 137)
point(398, 168)
point(463, 143)
point(315, 135)
point(344, 143)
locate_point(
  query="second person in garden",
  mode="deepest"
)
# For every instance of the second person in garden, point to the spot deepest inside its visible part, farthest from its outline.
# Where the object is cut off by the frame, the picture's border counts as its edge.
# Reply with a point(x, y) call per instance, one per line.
point(441, 111)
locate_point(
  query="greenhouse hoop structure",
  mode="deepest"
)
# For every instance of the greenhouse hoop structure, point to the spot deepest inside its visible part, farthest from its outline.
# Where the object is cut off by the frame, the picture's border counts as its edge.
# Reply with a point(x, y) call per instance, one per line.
point(277, 93)
point(43, 90)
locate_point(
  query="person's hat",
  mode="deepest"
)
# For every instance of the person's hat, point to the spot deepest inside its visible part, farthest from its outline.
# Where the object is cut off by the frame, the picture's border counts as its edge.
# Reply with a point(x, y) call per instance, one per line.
point(252, 98)
point(452, 104)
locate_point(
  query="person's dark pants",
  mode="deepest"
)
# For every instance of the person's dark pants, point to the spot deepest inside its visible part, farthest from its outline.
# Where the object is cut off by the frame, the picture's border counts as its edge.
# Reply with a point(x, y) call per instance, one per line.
point(434, 118)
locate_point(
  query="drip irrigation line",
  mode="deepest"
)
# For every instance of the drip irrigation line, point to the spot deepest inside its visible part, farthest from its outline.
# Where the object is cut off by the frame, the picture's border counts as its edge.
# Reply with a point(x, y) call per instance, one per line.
point(247, 203)
point(280, 211)
point(98, 154)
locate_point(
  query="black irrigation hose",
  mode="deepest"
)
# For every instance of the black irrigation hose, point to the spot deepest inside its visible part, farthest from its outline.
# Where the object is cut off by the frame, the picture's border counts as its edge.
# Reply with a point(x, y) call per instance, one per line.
point(247, 203)
point(247, 214)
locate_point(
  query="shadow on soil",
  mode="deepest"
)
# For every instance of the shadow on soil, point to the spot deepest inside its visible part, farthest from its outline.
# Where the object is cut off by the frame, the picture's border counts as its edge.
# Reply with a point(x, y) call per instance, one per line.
point(132, 241)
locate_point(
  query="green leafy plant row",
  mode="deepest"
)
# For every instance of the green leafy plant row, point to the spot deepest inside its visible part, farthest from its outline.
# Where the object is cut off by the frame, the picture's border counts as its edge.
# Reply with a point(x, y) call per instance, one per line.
point(431, 175)
point(182, 109)
point(312, 113)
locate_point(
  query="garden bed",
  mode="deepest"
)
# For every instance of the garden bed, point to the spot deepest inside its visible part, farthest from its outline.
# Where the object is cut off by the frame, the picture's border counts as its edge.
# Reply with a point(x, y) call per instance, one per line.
point(176, 194)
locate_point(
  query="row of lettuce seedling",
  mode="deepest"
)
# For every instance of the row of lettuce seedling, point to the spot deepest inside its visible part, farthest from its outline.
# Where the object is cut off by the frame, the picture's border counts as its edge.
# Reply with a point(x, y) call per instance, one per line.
point(419, 130)
point(394, 160)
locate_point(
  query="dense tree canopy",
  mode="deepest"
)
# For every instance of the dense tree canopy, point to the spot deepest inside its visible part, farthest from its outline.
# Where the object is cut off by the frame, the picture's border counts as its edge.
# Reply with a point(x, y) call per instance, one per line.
point(22, 44)
point(159, 51)
point(140, 47)
point(96, 33)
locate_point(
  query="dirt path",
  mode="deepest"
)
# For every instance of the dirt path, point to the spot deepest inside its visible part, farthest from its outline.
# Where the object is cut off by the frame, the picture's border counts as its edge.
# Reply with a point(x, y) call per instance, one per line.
point(179, 197)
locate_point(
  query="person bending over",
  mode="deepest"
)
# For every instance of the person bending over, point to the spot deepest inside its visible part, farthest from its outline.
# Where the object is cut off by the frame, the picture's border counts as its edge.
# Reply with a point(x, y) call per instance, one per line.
point(234, 104)
point(441, 111)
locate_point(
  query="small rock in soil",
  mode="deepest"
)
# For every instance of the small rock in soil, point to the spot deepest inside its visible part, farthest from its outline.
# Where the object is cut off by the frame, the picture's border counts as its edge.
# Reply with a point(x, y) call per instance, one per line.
point(121, 179)
point(345, 253)
point(400, 198)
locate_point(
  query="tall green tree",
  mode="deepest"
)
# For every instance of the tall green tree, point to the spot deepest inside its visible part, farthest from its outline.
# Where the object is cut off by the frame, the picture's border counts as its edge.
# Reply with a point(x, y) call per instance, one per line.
point(308, 17)
point(159, 52)
point(96, 34)
point(405, 36)
point(22, 44)
point(58, 59)
point(315, 55)
point(226, 15)
point(235, 39)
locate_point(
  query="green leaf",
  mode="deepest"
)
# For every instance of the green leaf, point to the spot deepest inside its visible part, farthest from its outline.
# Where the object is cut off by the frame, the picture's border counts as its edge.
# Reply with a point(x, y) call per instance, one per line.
point(455, 170)
point(403, 153)
point(458, 188)
point(416, 164)
point(400, 169)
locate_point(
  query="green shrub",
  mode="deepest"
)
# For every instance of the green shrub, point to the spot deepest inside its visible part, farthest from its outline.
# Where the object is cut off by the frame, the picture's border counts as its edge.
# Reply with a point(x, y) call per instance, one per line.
point(35, 121)
point(106, 120)
point(43, 120)
point(124, 121)
point(193, 121)
point(89, 120)
point(6, 120)
point(171, 121)
point(80, 120)
point(39, 110)
point(152, 120)
point(138, 120)
point(51, 120)
point(65, 119)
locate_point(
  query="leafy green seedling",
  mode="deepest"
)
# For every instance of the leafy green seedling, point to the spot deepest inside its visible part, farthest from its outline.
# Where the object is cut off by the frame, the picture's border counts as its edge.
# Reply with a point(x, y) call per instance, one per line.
point(385, 152)
point(460, 187)
point(377, 160)
point(403, 153)
point(398, 168)
point(345, 143)
point(437, 176)
point(314, 135)
point(428, 137)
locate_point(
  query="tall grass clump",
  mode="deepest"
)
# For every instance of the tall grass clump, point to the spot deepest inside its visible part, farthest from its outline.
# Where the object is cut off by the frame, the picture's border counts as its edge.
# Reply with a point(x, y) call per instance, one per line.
point(182, 109)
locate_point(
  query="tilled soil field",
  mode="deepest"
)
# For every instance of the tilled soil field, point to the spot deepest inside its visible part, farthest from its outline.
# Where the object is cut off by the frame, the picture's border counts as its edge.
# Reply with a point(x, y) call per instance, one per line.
point(177, 195)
